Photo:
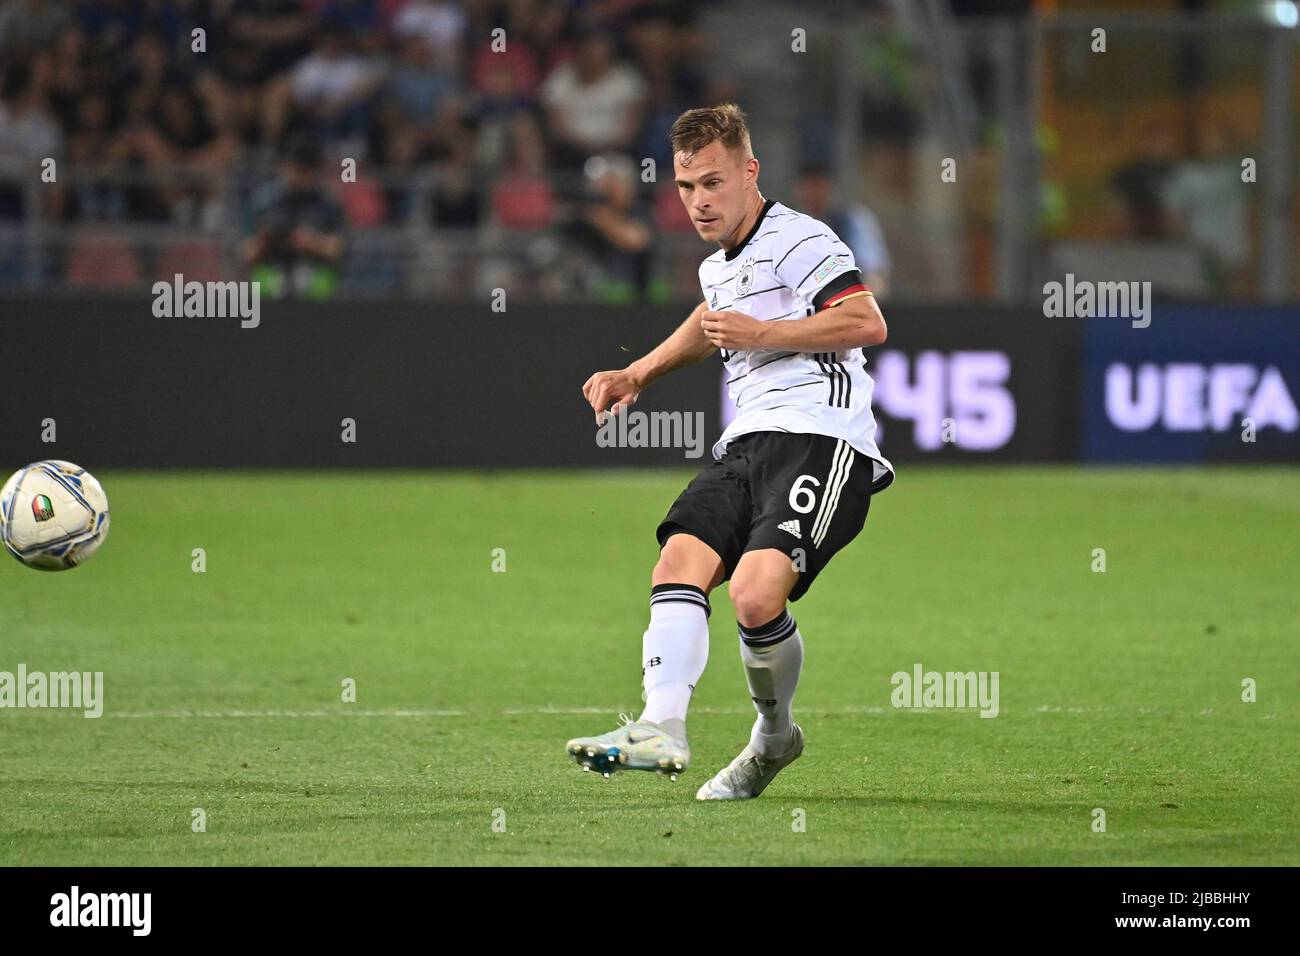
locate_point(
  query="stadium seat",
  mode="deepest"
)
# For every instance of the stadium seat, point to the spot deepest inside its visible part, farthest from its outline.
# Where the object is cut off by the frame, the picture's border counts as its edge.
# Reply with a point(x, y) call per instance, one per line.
point(373, 263)
point(103, 261)
point(362, 201)
point(523, 202)
point(197, 259)
point(669, 215)
point(13, 256)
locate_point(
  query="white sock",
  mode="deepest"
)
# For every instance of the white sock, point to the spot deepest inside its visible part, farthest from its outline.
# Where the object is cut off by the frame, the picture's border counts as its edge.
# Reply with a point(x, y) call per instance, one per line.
point(773, 657)
point(675, 649)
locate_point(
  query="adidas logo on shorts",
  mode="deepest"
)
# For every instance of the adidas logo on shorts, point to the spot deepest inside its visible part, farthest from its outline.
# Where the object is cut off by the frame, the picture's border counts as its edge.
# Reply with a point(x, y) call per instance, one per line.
point(791, 526)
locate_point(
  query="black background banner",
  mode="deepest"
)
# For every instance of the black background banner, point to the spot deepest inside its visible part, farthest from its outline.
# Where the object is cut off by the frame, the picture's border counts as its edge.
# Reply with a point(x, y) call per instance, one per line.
point(305, 906)
point(429, 385)
point(1043, 383)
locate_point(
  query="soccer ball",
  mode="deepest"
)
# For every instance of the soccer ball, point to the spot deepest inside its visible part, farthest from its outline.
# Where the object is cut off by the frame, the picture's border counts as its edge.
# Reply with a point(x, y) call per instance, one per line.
point(53, 515)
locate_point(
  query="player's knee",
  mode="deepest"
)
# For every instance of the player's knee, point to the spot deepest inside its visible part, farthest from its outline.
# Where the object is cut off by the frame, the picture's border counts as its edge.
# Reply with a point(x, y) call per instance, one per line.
point(685, 560)
point(756, 601)
point(666, 570)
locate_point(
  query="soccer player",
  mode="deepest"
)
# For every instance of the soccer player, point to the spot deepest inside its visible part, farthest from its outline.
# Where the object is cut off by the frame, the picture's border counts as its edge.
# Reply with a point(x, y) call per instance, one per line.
point(793, 474)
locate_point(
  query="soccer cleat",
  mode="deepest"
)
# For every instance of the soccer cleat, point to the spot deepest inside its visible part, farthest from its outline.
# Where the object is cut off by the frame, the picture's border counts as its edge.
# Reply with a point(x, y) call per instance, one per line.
point(636, 745)
point(749, 774)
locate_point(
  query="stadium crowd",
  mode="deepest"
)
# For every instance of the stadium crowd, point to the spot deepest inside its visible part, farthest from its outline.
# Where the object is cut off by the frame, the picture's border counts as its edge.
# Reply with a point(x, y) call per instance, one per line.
point(498, 142)
point(507, 102)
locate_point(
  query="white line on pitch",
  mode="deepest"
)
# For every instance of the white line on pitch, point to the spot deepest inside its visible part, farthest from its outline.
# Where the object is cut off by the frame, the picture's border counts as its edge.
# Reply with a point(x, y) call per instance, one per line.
point(514, 712)
point(341, 712)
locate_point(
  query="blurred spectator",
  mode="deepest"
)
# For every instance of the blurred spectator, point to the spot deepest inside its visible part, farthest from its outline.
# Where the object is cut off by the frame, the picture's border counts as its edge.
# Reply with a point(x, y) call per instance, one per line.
point(853, 222)
point(505, 81)
point(1140, 184)
point(522, 197)
point(1206, 203)
point(457, 198)
point(330, 91)
point(253, 43)
point(416, 102)
point(505, 85)
point(178, 132)
point(31, 24)
point(29, 134)
point(545, 27)
point(418, 84)
point(72, 75)
point(88, 146)
point(114, 25)
point(593, 104)
point(147, 66)
point(664, 48)
point(298, 245)
point(92, 129)
point(611, 230)
point(259, 39)
point(175, 135)
point(442, 25)
point(362, 20)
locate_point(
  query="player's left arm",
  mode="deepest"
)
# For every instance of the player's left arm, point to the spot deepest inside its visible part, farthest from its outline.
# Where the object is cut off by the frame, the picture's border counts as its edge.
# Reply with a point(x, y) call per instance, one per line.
point(849, 320)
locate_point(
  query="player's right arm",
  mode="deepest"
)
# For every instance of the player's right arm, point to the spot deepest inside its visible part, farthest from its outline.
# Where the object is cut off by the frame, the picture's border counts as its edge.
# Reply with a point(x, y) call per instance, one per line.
point(606, 390)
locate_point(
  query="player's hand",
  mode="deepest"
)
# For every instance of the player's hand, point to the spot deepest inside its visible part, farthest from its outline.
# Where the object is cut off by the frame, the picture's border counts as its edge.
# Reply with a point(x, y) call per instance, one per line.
point(733, 331)
point(610, 392)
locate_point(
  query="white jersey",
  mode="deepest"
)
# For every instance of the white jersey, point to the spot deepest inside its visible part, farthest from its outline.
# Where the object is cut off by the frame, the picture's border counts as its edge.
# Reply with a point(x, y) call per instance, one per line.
point(791, 266)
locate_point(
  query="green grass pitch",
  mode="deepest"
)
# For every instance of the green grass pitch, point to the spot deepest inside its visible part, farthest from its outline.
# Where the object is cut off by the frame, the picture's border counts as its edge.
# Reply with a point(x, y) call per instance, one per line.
point(1119, 690)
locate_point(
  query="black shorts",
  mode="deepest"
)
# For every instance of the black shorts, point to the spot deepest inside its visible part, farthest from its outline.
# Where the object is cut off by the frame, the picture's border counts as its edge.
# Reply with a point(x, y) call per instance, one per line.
point(806, 495)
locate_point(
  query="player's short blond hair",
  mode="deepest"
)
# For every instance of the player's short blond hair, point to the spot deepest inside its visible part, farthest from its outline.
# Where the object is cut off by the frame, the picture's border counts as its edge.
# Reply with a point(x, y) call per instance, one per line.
point(696, 129)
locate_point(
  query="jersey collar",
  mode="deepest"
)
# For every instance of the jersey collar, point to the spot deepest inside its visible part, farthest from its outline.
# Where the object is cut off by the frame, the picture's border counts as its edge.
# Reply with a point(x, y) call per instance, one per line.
point(757, 222)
